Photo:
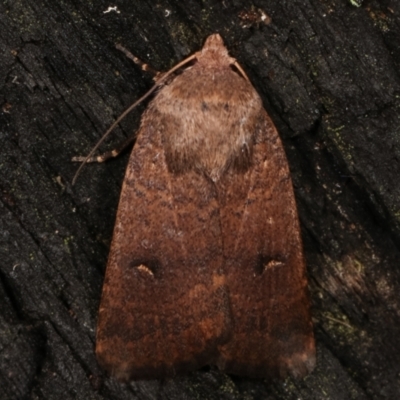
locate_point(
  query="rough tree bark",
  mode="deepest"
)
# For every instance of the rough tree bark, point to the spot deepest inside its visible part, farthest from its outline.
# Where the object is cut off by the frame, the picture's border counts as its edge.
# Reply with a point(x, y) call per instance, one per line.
point(328, 75)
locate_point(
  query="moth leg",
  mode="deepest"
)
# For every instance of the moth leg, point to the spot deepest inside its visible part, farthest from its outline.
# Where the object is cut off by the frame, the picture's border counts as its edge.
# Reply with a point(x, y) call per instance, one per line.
point(145, 67)
point(109, 154)
point(116, 152)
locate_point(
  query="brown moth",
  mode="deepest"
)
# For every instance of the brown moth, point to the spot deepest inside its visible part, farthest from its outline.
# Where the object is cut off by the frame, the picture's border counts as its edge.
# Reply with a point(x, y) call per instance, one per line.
point(206, 264)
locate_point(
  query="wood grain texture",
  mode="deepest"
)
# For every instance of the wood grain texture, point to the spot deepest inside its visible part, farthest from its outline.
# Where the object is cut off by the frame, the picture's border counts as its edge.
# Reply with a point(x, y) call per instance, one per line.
point(328, 77)
point(206, 262)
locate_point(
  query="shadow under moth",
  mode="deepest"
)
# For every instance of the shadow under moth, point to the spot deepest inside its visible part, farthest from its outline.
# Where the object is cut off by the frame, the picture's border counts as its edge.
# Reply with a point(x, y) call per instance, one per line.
point(206, 264)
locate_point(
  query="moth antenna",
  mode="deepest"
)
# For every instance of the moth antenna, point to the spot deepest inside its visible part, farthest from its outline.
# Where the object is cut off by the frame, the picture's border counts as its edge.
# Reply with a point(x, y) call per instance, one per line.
point(240, 69)
point(129, 109)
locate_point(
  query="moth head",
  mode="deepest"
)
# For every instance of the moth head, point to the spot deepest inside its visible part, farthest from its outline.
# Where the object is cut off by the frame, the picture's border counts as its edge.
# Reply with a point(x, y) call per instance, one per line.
point(214, 54)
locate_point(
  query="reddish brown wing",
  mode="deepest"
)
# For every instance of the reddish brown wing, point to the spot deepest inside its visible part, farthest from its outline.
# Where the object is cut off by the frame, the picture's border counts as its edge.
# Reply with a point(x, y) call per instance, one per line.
point(164, 306)
point(264, 268)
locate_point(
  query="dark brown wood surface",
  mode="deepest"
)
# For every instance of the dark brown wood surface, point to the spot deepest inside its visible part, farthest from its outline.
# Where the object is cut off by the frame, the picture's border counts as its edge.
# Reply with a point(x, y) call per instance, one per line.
point(328, 74)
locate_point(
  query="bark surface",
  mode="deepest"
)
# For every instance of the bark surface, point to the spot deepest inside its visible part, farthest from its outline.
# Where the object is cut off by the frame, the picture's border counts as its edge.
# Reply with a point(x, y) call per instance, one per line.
point(328, 76)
